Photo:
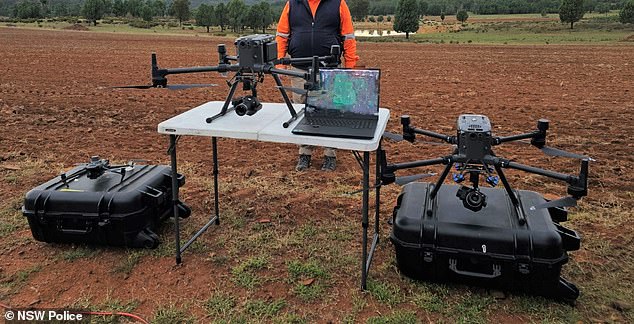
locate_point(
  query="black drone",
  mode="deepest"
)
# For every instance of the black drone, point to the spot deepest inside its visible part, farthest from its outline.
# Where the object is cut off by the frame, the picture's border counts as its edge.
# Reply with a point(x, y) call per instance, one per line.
point(473, 156)
point(256, 56)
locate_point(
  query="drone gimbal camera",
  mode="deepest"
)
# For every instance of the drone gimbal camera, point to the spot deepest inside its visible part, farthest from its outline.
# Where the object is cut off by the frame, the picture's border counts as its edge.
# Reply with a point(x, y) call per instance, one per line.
point(473, 156)
point(256, 56)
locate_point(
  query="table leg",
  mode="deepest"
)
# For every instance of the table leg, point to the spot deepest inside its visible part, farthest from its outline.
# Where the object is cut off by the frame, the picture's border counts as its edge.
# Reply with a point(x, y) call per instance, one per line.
point(214, 144)
point(364, 219)
point(214, 219)
point(172, 151)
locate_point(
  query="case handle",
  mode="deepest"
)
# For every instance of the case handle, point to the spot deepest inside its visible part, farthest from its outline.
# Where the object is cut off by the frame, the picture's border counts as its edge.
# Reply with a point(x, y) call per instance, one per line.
point(497, 271)
point(74, 231)
point(154, 193)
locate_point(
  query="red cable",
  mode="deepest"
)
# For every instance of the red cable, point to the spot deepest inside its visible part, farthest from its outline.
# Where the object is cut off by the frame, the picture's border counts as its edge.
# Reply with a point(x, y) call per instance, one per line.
point(136, 317)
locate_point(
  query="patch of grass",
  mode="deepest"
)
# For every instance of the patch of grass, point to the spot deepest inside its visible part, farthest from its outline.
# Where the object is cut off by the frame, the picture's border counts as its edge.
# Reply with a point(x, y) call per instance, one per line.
point(309, 269)
point(243, 274)
point(290, 318)
point(385, 292)
point(308, 292)
point(263, 309)
point(172, 314)
point(11, 218)
point(22, 276)
point(545, 310)
point(397, 317)
point(429, 300)
point(80, 252)
point(113, 305)
point(129, 262)
point(220, 305)
point(472, 308)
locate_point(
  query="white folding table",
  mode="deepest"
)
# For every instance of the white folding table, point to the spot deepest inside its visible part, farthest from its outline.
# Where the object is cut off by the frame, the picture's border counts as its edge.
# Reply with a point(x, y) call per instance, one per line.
point(266, 125)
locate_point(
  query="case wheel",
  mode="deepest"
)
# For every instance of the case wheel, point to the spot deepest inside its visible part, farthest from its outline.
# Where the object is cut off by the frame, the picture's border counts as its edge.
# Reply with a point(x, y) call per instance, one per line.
point(146, 239)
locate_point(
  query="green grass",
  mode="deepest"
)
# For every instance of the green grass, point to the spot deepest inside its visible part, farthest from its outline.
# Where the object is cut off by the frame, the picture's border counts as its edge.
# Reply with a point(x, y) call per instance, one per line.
point(220, 305)
point(129, 262)
point(397, 317)
point(80, 252)
point(308, 269)
point(11, 218)
point(172, 314)
point(384, 292)
point(244, 274)
point(258, 308)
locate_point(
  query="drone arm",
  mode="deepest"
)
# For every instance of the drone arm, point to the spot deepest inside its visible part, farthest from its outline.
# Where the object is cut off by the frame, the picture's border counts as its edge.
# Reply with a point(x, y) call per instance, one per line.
point(199, 69)
point(547, 173)
point(387, 172)
point(416, 164)
point(409, 131)
point(577, 185)
point(448, 139)
point(303, 75)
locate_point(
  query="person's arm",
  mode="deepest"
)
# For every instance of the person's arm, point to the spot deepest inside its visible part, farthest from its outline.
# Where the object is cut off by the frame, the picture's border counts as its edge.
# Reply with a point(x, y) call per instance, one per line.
point(283, 33)
point(347, 31)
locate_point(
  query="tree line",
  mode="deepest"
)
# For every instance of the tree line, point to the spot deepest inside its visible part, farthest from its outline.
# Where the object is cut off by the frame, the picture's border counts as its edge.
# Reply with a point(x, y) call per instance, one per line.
point(451, 7)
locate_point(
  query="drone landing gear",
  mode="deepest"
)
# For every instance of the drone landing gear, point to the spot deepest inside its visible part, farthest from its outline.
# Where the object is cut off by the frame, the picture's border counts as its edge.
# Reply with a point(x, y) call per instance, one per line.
point(250, 83)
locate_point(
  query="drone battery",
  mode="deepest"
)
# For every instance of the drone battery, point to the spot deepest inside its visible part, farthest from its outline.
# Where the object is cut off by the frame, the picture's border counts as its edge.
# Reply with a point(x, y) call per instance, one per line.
point(116, 208)
point(441, 240)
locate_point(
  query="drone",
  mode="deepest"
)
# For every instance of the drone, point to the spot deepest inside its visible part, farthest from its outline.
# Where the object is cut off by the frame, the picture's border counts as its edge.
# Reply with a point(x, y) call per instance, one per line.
point(473, 157)
point(256, 57)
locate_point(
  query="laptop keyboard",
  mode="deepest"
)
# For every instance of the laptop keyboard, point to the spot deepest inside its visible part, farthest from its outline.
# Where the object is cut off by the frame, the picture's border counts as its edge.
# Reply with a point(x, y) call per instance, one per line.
point(348, 123)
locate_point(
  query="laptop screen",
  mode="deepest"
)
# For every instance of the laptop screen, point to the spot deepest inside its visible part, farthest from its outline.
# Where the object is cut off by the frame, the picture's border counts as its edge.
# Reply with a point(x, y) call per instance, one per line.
point(347, 91)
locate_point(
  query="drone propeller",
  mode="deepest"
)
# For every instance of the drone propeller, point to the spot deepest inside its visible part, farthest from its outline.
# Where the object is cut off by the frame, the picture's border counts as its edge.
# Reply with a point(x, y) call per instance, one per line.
point(551, 151)
point(401, 181)
point(561, 202)
point(169, 87)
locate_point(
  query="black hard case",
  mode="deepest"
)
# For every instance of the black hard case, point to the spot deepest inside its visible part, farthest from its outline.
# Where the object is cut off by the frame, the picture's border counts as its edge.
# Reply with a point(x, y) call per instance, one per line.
point(441, 240)
point(105, 210)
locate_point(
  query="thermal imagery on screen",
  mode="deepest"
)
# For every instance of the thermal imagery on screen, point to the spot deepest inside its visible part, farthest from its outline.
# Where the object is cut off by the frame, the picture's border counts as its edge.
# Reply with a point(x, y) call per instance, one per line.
point(355, 91)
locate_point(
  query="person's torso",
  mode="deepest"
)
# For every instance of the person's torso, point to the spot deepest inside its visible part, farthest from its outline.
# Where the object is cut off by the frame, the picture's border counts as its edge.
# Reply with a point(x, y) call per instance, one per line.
point(313, 34)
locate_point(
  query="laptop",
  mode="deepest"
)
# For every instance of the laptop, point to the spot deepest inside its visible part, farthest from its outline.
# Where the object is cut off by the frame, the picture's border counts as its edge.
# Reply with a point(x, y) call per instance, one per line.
point(347, 105)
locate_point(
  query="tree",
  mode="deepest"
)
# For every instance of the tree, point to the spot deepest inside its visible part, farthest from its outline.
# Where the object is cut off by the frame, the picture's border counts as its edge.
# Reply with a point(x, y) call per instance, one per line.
point(442, 16)
point(602, 8)
point(359, 9)
point(180, 8)
point(380, 19)
point(221, 16)
point(252, 17)
point(406, 18)
point(158, 7)
point(422, 8)
point(571, 11)
point(27, 9)
point(119, 8)
point(93, 10)
point(236, 11)
point(147, 13)
point(134, 7)
point(462, 16)
point(205, 16)
point(267, 16)
point(627, 13)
